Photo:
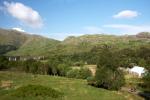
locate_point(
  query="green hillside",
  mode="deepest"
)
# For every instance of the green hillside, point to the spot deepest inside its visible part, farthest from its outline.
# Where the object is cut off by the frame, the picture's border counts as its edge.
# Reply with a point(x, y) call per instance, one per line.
point(72, 89)
point(85, 43)
point(23, 44)
point(12, 37)
point(35, 45)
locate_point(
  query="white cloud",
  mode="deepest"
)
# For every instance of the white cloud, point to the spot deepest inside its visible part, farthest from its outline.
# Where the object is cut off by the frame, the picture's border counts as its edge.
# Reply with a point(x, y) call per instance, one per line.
point(126, 14)
point(18, 29)
point(24, 13)
point(93, 29)
point(129, 29)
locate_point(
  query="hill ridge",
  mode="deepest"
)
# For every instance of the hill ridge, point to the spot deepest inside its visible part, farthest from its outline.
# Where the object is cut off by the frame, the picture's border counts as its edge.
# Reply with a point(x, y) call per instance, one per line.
point(21, 43)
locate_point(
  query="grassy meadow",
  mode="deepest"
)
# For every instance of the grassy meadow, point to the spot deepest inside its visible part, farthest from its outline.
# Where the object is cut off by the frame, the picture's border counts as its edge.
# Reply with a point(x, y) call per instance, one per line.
point(72, 89)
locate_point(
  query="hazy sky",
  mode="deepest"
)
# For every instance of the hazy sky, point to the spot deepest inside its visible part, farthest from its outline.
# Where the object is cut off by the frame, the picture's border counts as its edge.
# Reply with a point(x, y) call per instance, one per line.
point(61, 18)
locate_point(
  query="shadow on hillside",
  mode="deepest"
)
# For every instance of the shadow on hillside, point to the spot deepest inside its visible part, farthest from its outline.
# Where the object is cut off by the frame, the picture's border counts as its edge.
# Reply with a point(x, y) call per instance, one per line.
point(145, 95)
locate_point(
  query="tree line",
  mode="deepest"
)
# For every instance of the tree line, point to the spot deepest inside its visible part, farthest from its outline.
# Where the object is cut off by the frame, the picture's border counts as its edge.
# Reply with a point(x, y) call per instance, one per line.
point(108, 59)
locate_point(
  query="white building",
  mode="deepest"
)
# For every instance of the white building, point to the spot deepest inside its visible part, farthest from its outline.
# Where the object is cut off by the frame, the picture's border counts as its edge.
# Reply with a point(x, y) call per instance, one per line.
point(137, 70)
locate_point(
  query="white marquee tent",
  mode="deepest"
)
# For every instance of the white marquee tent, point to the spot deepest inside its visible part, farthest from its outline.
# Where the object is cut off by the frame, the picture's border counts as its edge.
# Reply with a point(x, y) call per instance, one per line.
point(138, 70)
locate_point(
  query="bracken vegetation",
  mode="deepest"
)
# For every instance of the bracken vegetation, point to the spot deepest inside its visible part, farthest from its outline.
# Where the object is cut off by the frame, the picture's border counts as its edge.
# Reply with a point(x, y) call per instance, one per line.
point(34, 91)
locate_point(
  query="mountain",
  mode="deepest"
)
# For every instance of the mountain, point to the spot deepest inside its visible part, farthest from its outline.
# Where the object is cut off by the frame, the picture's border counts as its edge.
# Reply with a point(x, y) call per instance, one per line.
point(22, 44)
point(102, 38)
point(12, 37)
point(145, 35)
point(19, 43)
point(85, 43)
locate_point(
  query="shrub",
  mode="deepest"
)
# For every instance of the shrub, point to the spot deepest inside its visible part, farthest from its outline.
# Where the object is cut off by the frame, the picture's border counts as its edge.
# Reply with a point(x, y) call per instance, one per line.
point(72, 73)
point(146, 82)
point(82, 73)
point(3, 62)
point(108, 79)
point(80, 63)
point(91, 80)
point(36, 90)
point(63, 69)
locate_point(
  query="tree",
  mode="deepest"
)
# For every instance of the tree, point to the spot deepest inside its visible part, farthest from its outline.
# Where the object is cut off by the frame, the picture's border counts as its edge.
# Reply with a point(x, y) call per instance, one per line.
point(108, 57)
point(34, 67)
point(72, 73)
point(142, 62)
point(107, 74)
point(63, 69)
point(109, 79)
point(79, 63)
point(3, 62)
point(53, 64)
point(26, 65)
point(84, 73)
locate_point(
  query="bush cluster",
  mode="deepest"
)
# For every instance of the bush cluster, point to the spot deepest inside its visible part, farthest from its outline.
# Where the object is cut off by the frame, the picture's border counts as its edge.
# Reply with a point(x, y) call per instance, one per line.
point(107, 79)
point(36, 90)
point(82, 73)
point(107, 74)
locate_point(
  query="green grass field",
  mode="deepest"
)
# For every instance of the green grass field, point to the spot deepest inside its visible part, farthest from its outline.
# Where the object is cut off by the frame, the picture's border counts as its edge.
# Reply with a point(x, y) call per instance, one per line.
point(72, 89)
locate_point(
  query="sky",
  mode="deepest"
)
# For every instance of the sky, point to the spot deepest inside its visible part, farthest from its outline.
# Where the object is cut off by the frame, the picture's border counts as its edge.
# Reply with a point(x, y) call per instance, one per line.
point(61, 18)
